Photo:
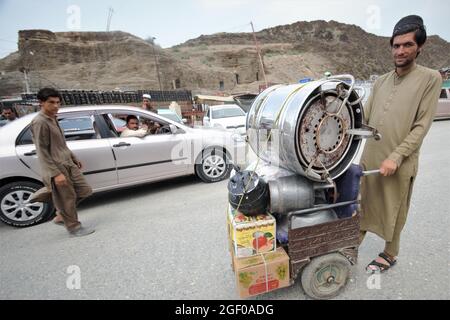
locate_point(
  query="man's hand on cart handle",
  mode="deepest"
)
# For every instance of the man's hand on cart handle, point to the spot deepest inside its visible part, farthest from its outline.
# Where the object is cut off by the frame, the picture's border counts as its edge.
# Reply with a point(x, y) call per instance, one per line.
point(388, 168)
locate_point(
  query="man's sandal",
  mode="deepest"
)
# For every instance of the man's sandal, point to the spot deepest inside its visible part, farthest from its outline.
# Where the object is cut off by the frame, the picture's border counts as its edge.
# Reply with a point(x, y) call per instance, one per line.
point(57, 221)
point(381, 267)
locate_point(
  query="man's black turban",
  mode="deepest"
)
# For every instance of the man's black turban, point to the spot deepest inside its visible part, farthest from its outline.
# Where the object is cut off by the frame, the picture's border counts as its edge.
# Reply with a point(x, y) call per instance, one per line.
point(407, 23)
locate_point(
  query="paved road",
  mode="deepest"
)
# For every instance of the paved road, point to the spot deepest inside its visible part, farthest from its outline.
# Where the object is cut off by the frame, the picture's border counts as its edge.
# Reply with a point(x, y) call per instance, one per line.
point(168, 241)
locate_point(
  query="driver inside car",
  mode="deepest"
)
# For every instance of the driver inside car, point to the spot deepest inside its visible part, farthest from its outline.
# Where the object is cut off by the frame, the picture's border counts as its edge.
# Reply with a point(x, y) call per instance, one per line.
point(132, 128)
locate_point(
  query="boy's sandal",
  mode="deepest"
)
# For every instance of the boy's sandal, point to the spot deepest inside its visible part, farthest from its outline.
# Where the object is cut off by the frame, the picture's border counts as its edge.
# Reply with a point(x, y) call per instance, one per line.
point(381, 267)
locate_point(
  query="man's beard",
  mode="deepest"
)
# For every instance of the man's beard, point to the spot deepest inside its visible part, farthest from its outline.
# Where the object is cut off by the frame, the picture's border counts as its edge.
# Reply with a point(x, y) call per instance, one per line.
point(407, 63)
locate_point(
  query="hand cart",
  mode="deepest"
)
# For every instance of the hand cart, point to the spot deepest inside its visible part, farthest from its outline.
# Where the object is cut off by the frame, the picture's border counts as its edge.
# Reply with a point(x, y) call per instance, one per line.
point(322, 255)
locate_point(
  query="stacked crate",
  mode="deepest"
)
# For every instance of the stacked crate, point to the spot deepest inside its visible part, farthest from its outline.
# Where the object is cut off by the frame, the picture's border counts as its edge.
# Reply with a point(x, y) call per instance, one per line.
point(159, 99)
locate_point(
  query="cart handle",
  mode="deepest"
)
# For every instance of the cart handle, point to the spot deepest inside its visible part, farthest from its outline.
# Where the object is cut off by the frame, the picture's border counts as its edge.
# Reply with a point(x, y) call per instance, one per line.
point(370, 172)
point(319, 208)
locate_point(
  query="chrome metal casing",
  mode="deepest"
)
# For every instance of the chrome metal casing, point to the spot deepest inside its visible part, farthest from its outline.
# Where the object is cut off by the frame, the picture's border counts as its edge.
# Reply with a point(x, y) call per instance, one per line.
point(286, 128)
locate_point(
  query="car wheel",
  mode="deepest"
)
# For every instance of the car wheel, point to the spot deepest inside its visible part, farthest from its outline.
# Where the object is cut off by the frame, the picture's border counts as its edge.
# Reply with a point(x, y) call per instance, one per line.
point(213, 166)
point(15, 209)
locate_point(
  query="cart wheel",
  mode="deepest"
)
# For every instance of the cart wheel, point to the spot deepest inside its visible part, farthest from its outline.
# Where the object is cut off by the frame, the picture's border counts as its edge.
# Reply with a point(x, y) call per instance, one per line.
point(325, 276)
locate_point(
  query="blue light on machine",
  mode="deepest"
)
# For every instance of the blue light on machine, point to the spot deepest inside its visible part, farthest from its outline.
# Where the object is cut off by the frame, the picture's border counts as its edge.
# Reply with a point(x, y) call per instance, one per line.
point(305, 80)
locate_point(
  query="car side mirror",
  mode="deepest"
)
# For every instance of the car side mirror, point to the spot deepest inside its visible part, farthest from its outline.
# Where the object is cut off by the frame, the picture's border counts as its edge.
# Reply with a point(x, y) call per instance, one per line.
point(173, 128)
point(184, 120)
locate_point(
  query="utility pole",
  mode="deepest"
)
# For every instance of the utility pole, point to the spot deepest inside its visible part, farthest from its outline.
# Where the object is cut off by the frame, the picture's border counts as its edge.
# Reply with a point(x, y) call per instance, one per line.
point(110, 13)
point(26, 63)
point(27, 81)
point(108, 26)
point(157, 65)
point(259, 54)
point(24, 70)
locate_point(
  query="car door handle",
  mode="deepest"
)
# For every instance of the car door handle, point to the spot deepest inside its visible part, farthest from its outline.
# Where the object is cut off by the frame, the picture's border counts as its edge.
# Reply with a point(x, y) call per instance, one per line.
point(122, 144)
point(31, 153)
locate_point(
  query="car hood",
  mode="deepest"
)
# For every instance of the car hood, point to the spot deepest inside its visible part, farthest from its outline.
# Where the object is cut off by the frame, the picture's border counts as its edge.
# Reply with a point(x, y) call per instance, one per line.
point(230, 122)
point(214, 135)
point(210, 131)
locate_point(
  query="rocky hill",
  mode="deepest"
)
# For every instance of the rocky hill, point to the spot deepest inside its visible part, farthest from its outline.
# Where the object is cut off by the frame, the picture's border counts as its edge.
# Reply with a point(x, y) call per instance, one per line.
point(208, 64)
point(308, 49)
point(90, 61)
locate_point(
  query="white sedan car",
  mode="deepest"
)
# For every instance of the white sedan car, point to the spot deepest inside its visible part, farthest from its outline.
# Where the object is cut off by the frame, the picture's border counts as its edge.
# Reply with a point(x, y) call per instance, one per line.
point(228, 117)
point(109, 160)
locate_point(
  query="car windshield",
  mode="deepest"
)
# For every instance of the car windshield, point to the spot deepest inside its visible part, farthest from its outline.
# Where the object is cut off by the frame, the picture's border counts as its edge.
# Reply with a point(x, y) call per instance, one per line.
point(227, 113)
point(119, 123)
point(170, 115)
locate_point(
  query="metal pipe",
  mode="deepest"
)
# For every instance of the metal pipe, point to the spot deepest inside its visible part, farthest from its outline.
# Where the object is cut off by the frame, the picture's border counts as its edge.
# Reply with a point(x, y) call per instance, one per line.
point(371, 172)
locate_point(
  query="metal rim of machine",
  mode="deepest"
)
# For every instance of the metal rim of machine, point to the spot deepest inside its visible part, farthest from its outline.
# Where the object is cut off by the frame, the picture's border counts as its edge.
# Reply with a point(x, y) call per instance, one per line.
point(336, 149)
point(330, 147)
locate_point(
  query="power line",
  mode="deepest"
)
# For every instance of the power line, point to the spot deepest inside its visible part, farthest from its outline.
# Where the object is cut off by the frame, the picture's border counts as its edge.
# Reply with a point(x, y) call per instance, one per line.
point(110, 13)
point(259, 53)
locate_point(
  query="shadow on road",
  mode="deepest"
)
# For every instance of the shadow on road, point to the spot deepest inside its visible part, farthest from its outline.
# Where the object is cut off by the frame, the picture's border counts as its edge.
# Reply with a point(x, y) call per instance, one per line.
point(128, 193)
point(137, 191)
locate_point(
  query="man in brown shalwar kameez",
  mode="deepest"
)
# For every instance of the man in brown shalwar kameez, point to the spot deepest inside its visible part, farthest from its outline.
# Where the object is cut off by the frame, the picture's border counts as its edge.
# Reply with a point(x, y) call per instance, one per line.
point(402, 107)
point(60, 168)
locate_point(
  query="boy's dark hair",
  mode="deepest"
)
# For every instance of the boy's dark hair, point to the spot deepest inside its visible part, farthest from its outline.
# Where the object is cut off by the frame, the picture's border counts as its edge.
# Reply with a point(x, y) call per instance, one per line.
point(46, 93)
point(131, 117)
point(8, 108)
point(409, 24)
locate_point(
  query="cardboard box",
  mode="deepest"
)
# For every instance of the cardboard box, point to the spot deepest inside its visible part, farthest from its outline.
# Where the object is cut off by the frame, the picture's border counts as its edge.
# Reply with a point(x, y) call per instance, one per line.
point(249, 236)
point(262, 273)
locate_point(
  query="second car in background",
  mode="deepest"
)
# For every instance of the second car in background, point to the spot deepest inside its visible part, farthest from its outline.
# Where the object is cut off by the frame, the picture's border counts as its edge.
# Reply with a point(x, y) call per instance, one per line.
point(169, 114)
point(228, 117)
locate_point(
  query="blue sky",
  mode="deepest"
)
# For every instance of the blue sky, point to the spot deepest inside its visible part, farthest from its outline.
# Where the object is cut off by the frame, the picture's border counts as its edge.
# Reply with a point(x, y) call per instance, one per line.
point(176, 21)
